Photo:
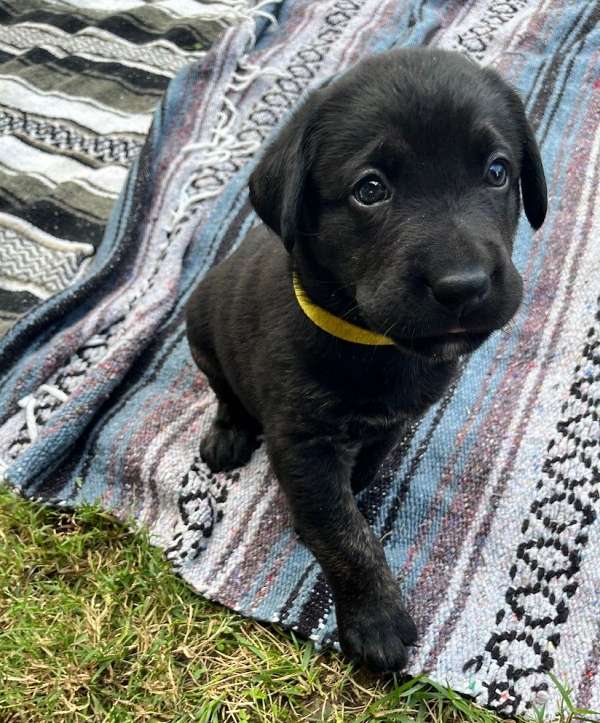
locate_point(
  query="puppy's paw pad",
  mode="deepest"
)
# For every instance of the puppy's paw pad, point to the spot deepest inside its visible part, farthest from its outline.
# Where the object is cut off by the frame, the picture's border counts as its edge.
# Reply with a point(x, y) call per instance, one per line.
point(225, 448)
point(378, 637)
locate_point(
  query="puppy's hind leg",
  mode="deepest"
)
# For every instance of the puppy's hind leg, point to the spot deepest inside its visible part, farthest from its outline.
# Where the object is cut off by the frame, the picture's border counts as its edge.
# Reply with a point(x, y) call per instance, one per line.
point(233, 434)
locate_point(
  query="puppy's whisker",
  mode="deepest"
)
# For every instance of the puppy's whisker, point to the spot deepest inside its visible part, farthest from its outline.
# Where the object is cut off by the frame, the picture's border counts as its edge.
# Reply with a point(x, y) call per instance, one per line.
point(350, 311)
point(389, 328)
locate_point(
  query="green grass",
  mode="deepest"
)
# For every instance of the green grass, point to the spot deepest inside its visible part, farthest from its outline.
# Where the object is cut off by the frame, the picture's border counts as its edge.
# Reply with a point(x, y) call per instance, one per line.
point(95, 627)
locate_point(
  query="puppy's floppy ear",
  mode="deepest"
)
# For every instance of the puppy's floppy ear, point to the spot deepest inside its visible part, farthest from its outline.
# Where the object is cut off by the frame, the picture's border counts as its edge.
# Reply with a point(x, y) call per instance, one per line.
point(533, 180)
point(278, 185)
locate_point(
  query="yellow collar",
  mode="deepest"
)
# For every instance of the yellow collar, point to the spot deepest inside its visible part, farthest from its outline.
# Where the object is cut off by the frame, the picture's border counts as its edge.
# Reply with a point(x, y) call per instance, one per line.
point(335, 326)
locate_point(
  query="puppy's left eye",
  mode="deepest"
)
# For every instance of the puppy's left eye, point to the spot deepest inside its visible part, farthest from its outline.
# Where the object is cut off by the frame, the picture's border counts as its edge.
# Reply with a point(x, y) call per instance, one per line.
point(497, 173)
point(370, 190)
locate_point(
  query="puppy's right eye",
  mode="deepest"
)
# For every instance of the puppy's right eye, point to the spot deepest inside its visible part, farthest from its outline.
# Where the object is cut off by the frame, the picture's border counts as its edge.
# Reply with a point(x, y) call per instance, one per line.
point(371, 190)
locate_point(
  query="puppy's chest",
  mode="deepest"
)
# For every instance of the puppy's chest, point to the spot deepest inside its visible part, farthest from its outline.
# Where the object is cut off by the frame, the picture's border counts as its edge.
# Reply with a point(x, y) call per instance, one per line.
point(364, 417)
point(384, 410)
point(378, 403)
point(371, 419)
point(362, 426)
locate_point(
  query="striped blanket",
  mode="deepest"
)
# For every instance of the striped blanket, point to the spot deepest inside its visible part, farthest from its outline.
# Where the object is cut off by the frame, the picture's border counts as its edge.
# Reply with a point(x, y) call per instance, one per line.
point(78, 86)
point(488, 510)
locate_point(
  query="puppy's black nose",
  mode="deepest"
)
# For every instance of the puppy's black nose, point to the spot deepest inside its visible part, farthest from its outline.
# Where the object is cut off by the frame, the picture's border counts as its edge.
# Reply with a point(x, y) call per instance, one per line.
point(461, 289)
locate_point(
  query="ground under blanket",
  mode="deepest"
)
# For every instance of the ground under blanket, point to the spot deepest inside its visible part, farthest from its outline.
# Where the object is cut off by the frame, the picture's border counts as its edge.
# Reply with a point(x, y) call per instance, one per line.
point(488, 509)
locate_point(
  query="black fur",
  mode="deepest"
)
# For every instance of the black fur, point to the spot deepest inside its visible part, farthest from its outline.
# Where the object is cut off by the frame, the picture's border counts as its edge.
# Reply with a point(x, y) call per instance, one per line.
point(432, 259)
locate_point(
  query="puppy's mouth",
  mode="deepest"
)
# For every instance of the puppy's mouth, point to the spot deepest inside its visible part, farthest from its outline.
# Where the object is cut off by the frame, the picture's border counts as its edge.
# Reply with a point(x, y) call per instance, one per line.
point(446, 347)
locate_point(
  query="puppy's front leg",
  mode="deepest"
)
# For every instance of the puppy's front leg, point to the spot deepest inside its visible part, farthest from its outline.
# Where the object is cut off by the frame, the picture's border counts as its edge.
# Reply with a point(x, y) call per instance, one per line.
point(315, 474)
point(370, 458)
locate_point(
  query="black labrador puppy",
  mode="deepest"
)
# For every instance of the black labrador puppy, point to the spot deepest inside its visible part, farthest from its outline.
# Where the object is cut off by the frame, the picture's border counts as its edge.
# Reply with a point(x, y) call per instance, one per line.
point(390, 201)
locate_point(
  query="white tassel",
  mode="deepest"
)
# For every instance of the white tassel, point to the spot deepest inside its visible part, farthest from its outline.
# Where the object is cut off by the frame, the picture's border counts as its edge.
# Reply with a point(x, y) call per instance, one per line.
point(30, 402)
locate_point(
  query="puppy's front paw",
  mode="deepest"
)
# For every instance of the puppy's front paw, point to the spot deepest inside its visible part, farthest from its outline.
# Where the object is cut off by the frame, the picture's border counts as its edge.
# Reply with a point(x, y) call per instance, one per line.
point(224, 448)
point(376, 633)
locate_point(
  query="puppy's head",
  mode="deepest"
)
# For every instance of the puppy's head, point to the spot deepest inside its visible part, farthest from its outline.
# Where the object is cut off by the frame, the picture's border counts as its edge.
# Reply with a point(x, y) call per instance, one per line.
point(398, 188)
